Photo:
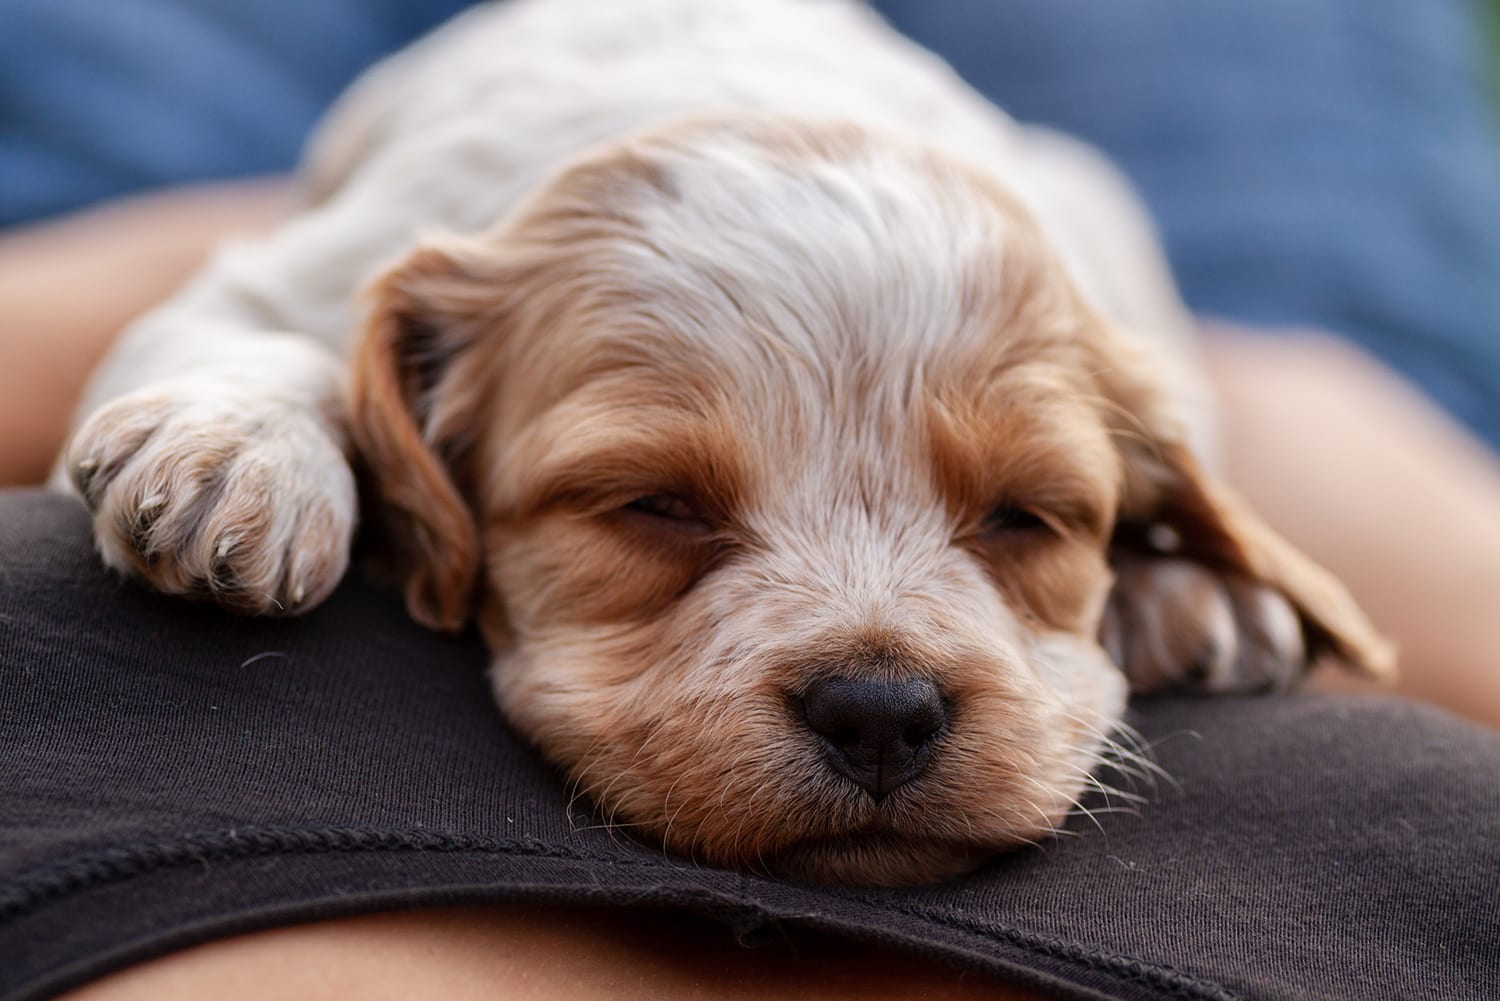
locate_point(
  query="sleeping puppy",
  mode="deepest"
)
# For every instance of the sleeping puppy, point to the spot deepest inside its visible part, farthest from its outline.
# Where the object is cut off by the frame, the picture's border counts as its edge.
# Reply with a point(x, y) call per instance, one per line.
point(806, 437)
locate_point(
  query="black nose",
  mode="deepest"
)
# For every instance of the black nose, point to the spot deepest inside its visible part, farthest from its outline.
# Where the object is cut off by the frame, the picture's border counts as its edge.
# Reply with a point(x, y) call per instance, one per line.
point(879, 734)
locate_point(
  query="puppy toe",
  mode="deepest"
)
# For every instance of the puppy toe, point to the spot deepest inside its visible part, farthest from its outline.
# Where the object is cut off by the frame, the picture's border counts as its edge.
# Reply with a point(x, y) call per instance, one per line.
point(107, 441)
point(1273, 652)
point(1169, 624)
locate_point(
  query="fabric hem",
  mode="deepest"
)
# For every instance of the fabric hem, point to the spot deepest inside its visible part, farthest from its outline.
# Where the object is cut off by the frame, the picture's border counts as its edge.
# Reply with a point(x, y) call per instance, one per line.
point(47, 884)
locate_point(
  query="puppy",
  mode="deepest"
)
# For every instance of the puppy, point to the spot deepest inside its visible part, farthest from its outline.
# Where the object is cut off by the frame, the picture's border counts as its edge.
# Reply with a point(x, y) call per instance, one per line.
point(797, 428)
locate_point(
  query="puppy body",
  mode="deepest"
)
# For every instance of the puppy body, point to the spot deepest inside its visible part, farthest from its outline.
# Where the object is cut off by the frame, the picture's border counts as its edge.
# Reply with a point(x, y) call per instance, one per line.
point(777, 417)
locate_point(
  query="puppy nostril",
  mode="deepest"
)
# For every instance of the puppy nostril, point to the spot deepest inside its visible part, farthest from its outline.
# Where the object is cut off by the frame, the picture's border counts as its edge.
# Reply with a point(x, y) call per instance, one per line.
point(844, 738)
point(915, 736)
point(927, 719)
point(878, 733)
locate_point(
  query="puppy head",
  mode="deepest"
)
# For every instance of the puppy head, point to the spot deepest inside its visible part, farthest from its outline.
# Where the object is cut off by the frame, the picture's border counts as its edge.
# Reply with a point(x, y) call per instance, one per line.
point(782, 465)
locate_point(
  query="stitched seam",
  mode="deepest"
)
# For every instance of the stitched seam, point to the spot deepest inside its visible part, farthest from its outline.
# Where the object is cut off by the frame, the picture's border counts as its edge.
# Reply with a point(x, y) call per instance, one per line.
point(43, 885)
point(117, 864)
point(1130, 968)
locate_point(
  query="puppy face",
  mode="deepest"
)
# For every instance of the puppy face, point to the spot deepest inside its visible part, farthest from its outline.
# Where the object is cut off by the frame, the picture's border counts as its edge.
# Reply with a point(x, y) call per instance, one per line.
point(784, 465)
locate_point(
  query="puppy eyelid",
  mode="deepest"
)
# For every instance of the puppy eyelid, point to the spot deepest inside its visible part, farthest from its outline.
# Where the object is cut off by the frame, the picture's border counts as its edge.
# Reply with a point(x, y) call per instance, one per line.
point(670, 513)
point(666, 505)
point(1012, 519)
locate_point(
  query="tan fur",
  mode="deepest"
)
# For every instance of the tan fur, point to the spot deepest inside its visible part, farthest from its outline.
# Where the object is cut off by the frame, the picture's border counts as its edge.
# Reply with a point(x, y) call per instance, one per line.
point(739, 362)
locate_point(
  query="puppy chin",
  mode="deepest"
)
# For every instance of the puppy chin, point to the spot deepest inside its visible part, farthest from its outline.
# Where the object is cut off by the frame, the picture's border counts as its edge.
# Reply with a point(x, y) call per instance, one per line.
point(887, 844)
point(878, 859)
point(884, 858)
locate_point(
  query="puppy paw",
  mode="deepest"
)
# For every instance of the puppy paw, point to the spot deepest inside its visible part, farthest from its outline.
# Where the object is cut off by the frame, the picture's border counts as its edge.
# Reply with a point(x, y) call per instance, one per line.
point(249, 503)
point(1172, 623)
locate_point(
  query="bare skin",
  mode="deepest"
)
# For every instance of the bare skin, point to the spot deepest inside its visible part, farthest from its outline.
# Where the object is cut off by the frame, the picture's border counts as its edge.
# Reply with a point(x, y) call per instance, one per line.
point(68, 286)
point(535, 954)
point(1333, 450)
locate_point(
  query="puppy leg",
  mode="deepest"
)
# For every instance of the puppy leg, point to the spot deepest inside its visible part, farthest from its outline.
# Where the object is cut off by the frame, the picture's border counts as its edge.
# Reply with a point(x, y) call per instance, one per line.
point(1173, 623)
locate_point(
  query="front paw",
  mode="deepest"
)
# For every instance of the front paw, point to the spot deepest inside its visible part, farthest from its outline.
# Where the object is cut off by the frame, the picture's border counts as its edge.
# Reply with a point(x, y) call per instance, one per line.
point(1173, 623)
point(248, 503)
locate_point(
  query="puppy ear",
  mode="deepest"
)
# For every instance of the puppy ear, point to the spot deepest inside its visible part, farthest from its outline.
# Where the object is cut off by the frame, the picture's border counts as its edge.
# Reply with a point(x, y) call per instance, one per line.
point(418, 325)
point(1173, 511)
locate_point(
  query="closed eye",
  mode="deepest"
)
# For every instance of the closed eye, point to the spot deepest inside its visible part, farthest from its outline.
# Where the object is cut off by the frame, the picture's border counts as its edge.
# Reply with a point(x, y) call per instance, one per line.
point(668, 512)
point(1009, 520)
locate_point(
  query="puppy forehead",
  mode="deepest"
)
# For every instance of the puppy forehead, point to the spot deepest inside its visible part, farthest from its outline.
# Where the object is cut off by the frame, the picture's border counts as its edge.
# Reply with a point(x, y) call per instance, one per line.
point(840, 245)
point(835, 259)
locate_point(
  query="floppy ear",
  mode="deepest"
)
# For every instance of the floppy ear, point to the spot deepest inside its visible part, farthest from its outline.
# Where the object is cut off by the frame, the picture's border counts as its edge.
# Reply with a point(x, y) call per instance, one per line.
point(1173, 513)
point(421, 318)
